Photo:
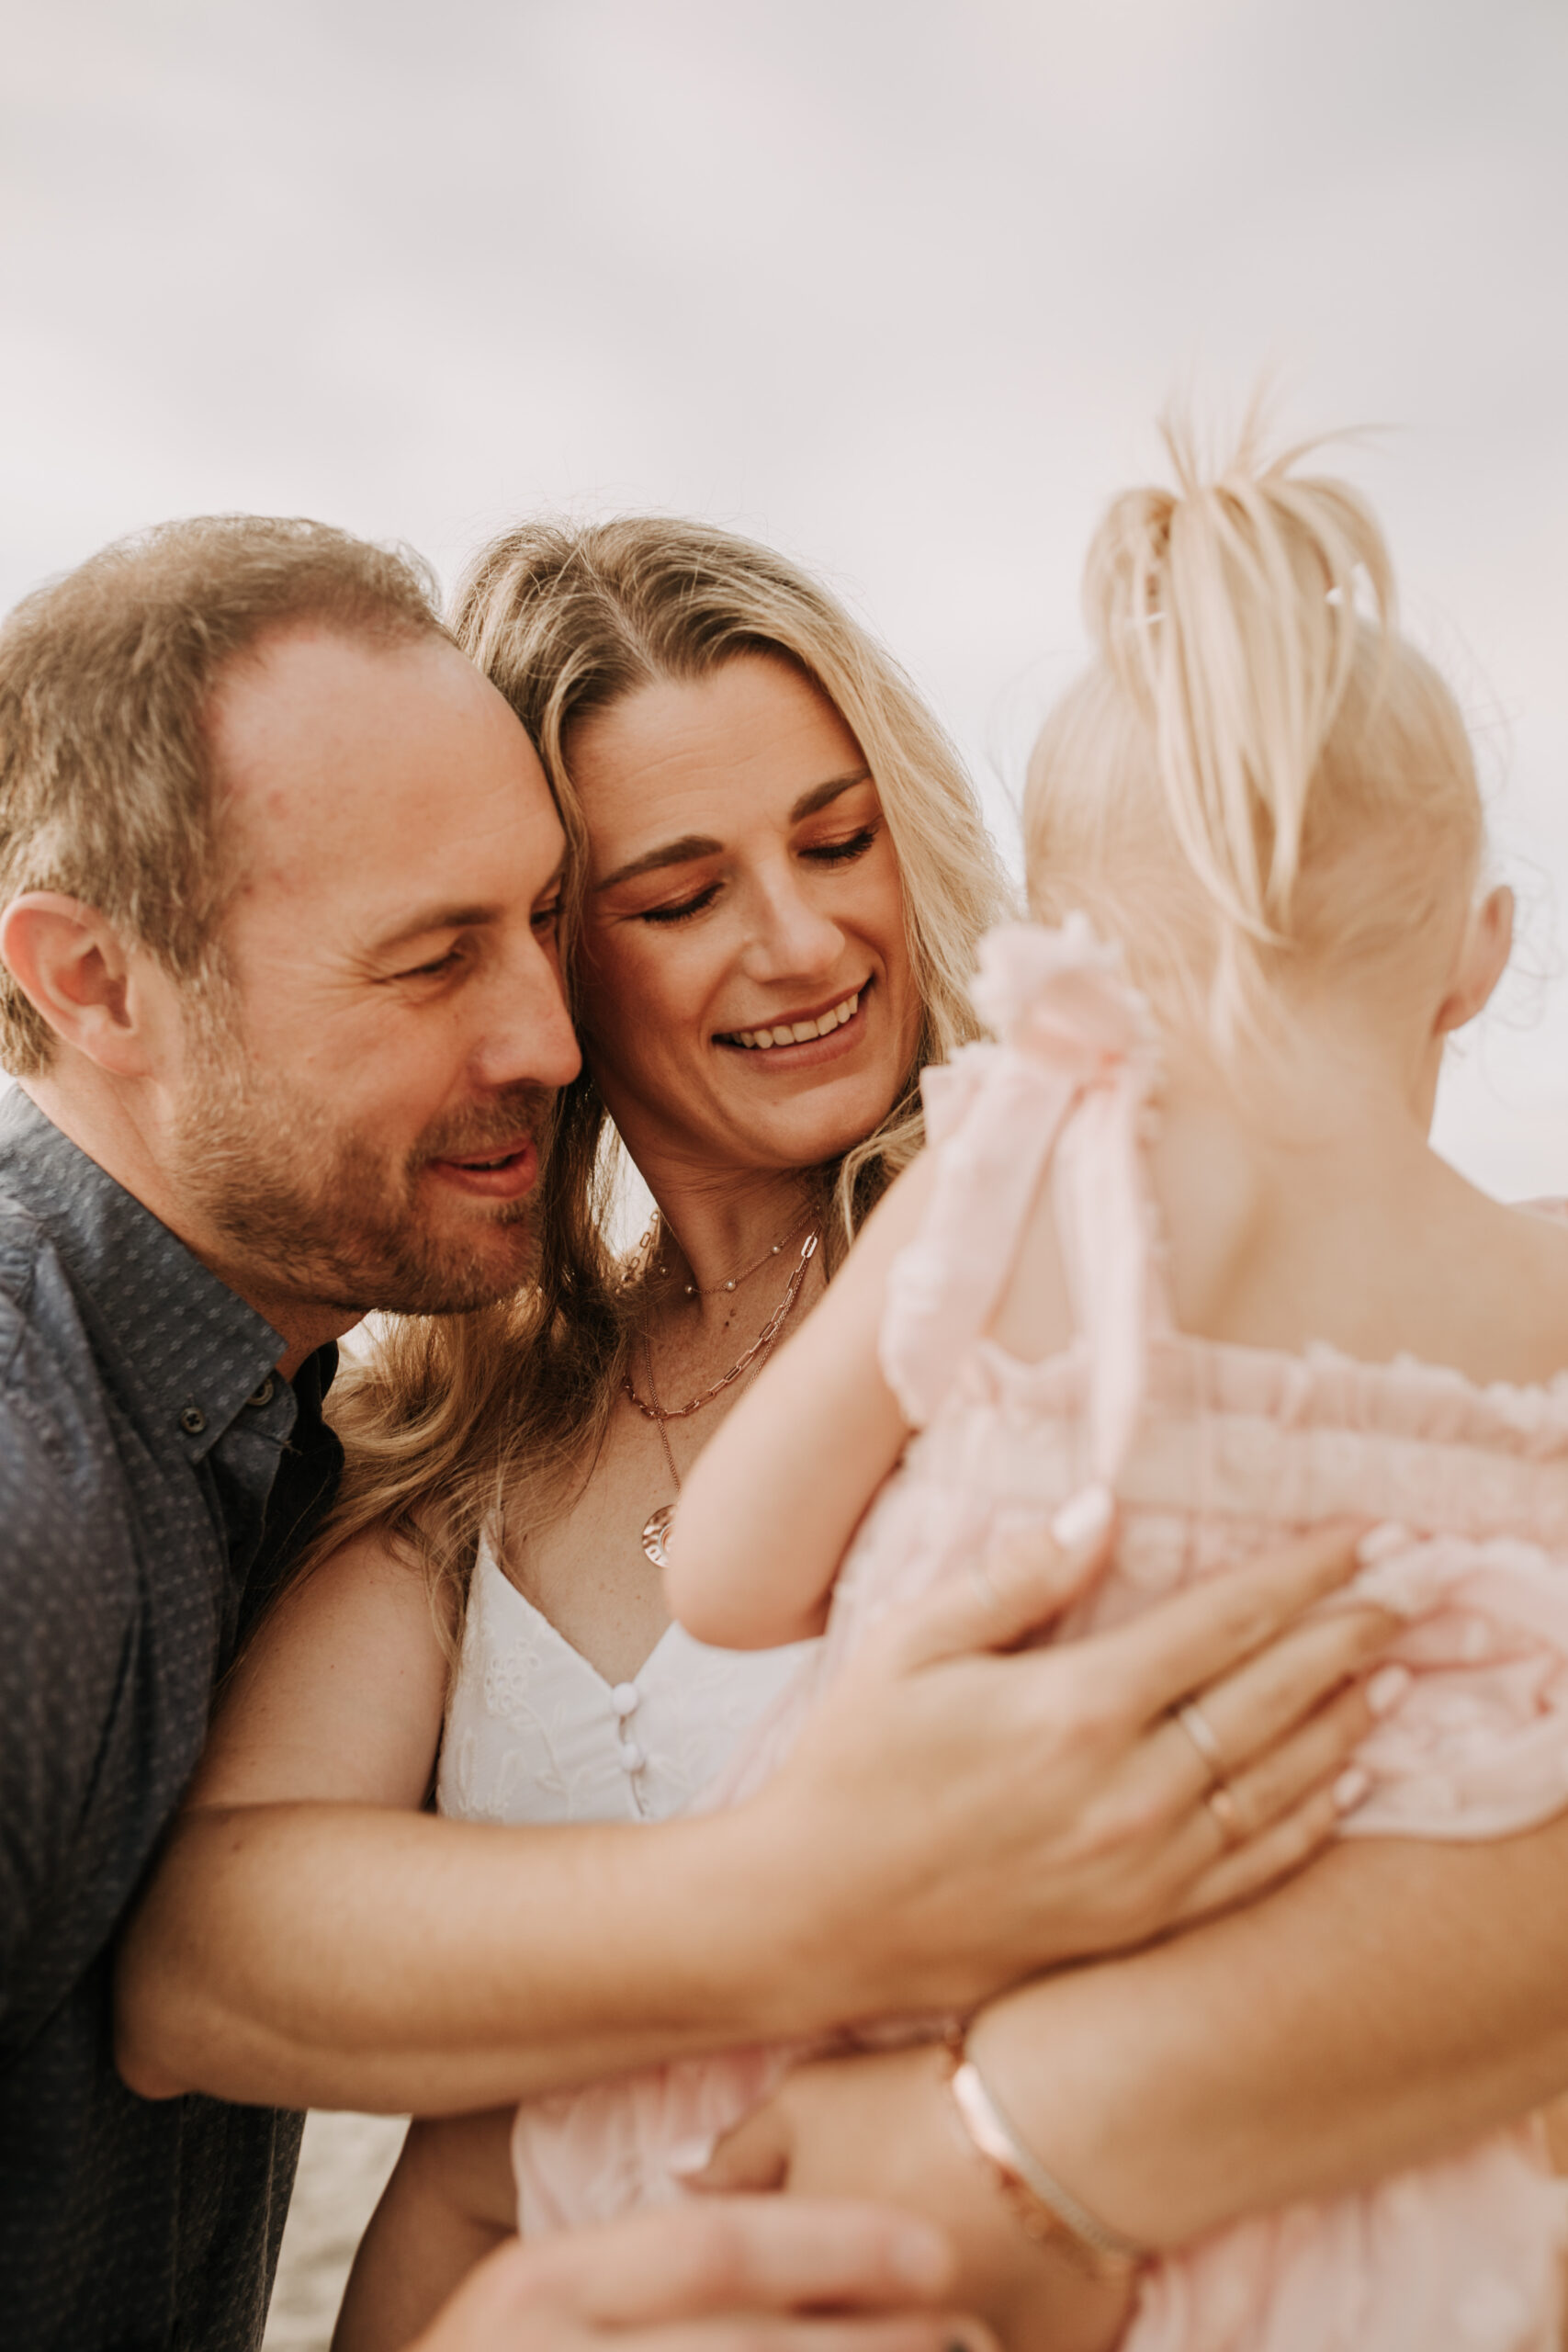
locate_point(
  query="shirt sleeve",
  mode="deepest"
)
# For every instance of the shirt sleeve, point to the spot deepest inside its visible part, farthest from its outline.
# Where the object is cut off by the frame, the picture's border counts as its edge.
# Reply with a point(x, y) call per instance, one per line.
point(67, 1625)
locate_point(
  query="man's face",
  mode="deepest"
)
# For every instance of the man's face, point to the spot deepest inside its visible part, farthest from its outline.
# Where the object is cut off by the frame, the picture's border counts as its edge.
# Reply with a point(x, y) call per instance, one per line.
point(365, 1094)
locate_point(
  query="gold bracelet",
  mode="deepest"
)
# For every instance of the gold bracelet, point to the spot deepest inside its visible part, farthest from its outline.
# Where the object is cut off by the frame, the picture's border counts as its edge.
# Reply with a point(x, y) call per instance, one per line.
point(1043, 2206)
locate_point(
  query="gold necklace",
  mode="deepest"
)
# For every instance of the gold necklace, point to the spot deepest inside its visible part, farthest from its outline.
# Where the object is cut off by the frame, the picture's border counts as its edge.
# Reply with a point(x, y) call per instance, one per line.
point(764, 1339)
point(656, 1528)
point(712, 1290)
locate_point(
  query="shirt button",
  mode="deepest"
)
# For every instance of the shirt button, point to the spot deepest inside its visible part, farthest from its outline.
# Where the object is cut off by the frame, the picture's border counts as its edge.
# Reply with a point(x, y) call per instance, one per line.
point(624, 1699)
point(632, 1757)
point(263, 1394)
point(192, 1420)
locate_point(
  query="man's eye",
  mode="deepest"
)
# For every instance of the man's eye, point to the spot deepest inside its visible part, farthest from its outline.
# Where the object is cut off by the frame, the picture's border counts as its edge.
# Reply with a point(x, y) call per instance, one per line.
point(429, 971)
point(547, 918)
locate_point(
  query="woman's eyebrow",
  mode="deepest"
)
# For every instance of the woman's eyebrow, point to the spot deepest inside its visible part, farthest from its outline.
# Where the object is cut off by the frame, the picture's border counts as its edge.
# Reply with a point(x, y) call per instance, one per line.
point(821, 795)
point(680, 853)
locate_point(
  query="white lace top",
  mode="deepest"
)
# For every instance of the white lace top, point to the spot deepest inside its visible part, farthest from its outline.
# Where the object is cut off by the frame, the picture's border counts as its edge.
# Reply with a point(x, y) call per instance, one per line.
point(535, 1734)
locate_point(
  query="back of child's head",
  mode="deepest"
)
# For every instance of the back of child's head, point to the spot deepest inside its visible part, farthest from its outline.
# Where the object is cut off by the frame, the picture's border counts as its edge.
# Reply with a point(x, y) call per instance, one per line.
point(1259, 781)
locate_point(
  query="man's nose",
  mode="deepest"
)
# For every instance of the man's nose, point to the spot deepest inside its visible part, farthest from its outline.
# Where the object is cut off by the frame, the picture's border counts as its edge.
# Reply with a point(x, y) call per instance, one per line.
point(529, 1036)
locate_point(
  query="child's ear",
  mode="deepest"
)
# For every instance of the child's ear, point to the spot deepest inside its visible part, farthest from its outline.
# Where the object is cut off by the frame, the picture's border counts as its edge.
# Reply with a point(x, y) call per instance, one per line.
point(1483, 957)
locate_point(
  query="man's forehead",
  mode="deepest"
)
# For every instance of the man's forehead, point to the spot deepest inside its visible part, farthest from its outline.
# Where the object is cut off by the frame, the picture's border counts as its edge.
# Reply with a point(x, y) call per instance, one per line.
point(384, 778)
point(314, 721)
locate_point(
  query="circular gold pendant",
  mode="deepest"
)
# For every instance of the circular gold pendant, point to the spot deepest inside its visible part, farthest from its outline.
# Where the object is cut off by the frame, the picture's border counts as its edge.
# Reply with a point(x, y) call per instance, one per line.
point(654, 1534)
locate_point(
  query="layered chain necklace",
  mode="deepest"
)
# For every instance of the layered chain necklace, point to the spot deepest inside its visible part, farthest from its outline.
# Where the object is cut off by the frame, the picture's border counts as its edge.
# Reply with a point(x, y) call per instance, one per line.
point(656, 1527)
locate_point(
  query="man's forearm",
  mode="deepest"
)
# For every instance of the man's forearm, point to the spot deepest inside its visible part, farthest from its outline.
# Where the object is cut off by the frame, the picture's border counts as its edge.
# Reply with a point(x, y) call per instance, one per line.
point(348, 1956)
point(1397, 2000)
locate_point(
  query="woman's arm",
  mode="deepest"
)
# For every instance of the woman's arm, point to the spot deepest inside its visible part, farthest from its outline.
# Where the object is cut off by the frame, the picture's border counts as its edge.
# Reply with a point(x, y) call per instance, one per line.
point(312, 1938)
point(767, 1514)
point(1393, 2002)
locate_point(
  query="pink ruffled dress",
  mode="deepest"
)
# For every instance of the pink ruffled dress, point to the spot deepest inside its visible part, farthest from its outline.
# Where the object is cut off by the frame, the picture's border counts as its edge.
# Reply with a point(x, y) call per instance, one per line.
point(1212, 1450)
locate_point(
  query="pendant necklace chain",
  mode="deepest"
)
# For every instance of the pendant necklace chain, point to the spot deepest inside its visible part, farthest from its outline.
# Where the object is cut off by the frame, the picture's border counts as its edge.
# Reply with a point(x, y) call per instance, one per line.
point(712, 1290)
point(761, 1347)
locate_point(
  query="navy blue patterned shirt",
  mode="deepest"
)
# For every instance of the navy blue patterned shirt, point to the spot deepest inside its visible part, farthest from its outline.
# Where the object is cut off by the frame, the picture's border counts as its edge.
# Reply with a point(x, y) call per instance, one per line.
point(155, 1475)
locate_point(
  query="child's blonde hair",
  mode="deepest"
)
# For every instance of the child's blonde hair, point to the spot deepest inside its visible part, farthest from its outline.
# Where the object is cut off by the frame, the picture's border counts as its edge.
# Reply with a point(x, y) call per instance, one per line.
point(1258, 769)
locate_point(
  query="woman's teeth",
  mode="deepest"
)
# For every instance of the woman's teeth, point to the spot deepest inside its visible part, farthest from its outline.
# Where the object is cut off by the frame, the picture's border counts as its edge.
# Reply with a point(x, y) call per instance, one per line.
point(798, 1031)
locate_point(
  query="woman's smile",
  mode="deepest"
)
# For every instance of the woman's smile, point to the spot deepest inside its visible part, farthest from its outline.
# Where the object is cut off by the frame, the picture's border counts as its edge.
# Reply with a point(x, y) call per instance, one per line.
point(782, 1035)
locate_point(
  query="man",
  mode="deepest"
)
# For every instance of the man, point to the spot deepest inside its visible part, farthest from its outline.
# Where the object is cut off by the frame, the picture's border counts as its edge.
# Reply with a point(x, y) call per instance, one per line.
point(279, 873)
point(739, 2275)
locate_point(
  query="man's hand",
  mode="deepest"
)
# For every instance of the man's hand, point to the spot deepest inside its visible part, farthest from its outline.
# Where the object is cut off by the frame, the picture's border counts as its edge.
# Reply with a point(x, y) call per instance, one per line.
point(751, 2275)
point(886, 2126)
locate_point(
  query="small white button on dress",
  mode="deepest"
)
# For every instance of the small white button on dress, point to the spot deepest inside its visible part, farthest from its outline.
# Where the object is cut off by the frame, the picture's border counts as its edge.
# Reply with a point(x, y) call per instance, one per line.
point(535, 1734)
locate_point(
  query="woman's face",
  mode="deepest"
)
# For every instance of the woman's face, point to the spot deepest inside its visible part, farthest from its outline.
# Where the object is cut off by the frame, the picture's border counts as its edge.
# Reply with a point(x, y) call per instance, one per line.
point(747, 1000)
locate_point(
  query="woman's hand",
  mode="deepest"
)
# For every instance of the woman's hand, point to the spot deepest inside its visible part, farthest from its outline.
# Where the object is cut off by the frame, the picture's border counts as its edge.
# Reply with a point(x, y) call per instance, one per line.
point(886, 2127)
point(988, 1815)
point(751, 2276)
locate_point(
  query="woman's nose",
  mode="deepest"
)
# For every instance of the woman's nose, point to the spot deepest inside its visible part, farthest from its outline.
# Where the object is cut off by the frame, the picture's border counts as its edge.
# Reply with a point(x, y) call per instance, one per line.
point(790, 935)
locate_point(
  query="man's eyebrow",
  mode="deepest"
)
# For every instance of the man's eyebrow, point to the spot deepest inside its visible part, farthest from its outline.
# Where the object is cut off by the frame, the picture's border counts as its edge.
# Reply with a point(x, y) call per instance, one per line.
point(821, 795)
point(680, 853)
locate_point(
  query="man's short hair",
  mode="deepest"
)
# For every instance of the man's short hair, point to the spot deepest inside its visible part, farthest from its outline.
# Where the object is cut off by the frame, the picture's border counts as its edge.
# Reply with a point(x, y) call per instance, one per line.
point(105, 679)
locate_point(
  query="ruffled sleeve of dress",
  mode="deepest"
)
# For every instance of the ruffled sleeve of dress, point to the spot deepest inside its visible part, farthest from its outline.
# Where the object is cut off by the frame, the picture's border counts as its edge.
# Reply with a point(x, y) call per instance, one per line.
point(1073, 1042)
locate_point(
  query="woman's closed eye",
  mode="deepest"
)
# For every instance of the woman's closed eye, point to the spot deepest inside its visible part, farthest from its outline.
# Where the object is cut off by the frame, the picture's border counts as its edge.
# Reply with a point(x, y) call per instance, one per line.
point(844, 850)
point(841, 852)
point(681, 910)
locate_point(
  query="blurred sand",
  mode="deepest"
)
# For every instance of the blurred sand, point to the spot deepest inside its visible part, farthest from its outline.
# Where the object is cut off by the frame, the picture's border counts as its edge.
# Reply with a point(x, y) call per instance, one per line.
point(343, 2170)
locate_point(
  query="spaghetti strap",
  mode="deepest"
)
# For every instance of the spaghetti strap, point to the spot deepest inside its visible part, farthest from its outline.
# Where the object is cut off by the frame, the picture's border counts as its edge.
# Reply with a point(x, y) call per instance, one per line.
point(1074, 1057)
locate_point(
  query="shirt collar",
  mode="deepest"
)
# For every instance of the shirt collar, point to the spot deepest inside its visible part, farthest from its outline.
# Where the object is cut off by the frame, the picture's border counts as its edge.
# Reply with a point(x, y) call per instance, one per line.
point(194, 1351)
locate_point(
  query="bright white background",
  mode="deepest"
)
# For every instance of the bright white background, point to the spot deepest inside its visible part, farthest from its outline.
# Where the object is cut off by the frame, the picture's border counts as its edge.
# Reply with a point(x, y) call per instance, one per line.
point(899, 283)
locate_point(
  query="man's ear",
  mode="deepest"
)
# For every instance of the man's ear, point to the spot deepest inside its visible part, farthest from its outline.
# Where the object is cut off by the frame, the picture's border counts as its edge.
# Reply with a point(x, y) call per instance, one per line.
point(70, 964)
point(1483, 957)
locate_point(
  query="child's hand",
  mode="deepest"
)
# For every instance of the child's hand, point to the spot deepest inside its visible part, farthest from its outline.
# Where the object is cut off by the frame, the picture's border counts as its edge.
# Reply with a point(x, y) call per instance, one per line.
point(748, 2275)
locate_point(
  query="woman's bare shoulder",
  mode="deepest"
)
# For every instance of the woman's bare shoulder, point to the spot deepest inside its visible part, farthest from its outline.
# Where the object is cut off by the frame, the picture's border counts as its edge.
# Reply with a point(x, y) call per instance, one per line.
point(340, 1694)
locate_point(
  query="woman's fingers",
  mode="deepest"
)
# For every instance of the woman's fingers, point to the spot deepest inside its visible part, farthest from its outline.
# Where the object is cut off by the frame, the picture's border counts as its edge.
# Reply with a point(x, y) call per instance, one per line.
point(1251, 1709)
point(1022, 1582)
point(1236, 1873)
point(1286, 1805)
point(1176, 1648)
point(1313, 1755)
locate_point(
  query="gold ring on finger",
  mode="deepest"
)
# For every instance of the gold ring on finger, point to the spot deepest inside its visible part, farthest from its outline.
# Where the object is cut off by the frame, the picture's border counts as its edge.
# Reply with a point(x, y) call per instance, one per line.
point(1221, 1801)
point(1201, 1733)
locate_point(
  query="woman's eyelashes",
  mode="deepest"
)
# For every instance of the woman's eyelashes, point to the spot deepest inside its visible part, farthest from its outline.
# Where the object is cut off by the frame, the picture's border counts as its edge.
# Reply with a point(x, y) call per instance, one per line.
point(681, 910)
point(842, 851)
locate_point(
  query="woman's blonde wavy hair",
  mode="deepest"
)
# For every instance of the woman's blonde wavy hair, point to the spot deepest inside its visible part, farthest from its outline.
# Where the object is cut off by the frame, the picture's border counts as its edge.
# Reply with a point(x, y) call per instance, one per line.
point(457, 1418)
point(1258, 771)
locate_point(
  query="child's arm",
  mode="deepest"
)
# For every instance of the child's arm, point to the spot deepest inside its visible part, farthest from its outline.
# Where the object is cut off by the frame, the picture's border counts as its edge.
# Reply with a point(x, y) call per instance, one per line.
point(765, 1517)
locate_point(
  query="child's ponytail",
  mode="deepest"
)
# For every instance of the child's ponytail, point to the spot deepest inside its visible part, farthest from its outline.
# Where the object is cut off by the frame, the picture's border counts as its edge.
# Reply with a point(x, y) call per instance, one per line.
point(1227, 609)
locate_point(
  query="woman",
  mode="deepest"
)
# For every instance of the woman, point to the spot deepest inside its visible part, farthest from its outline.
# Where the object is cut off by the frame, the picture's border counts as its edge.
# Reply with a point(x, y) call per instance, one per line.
point(778, 882)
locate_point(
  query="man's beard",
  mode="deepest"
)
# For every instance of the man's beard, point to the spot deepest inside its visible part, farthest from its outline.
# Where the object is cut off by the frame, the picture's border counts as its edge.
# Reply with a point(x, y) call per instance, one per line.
point(315, 1212)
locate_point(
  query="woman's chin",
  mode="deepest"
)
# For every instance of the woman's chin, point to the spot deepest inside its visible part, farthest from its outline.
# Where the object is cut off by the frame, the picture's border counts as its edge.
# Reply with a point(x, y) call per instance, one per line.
point(817, 1127)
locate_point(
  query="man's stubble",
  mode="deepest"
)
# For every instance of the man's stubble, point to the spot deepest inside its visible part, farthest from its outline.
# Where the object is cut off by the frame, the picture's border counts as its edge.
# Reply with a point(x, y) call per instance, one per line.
point(317, 1211)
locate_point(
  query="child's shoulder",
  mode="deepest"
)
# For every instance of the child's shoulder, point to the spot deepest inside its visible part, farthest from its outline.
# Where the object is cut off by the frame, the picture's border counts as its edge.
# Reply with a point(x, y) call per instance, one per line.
point(1520, 1271)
